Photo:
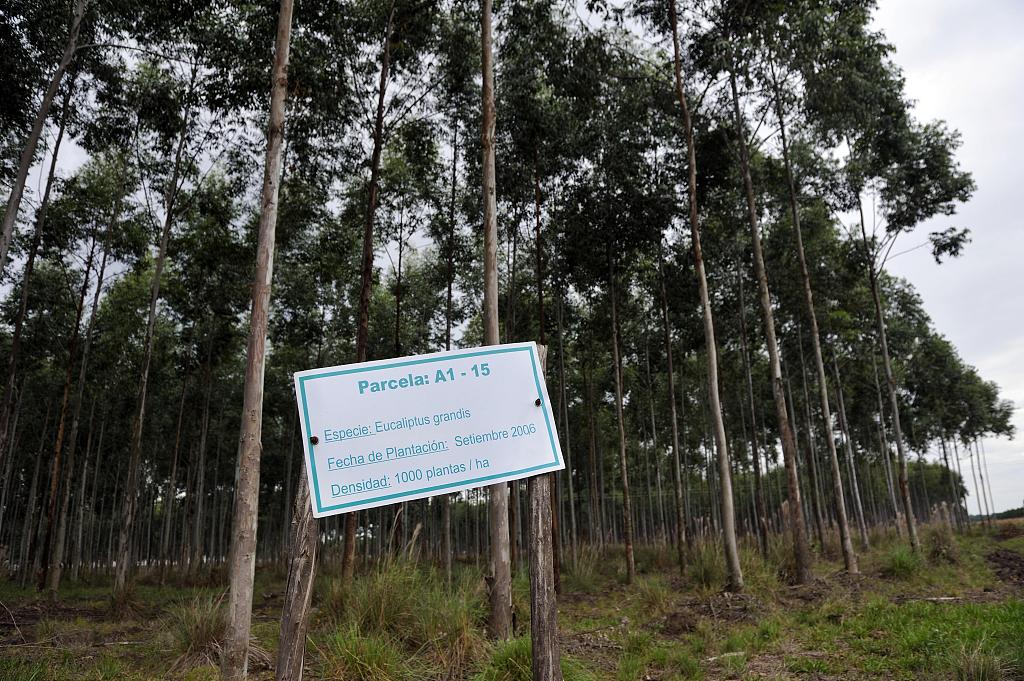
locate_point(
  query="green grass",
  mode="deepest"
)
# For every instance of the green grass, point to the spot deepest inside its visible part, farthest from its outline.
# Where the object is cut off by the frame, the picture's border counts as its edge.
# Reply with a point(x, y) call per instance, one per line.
point(511, 660)
point(400, 621)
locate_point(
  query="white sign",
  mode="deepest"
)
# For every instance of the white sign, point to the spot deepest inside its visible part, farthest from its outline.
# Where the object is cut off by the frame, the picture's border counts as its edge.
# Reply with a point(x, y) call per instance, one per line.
point(392, 430)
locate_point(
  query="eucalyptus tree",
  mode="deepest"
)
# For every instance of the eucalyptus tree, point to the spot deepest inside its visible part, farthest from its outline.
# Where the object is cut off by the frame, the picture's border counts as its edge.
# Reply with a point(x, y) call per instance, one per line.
point(167, 105)
point(725, 52)
point(732, 559)
point(500, 617)
point(854, 97)
point(40, 25)
point(234, 662)
point(457, 65)
point(616, 199)
point(95, 207)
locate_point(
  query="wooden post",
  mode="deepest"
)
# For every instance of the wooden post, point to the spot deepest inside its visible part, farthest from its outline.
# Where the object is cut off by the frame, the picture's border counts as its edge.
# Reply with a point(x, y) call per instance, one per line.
point(299, 592)
point(543, 603)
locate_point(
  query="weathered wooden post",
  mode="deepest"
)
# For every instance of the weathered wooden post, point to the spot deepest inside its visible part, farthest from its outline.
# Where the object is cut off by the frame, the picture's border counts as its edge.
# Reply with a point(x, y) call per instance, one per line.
point(543, 602)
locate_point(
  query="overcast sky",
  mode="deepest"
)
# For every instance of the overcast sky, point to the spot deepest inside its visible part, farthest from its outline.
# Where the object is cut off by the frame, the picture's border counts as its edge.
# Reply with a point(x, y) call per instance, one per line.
point(964, 62)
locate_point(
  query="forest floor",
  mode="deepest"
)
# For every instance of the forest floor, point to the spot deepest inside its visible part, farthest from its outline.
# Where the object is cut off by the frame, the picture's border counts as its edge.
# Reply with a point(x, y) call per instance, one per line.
point(957, 611)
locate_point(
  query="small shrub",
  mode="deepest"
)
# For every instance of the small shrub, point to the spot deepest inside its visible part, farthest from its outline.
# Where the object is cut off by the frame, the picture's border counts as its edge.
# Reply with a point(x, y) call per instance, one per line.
point(350, 655)
point(900, 562)
point(978, 664)
point(942, 546)
point(511, 661)
point(198, 629)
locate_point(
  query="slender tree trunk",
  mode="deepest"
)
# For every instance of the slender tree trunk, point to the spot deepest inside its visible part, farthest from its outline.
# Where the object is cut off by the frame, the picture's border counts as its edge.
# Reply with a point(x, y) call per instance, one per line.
point(446, 511)
point(247, 477)
point(556, 538)
point(29, 151)
point(800, 548)
point(627, 506)
point(983, 465)
point(57, 555)
point(845, 428)
point(573, 533)
point(299, 591)
point(199, 510)
point(76, 557)
point(885, 444)
point(500, 620)
point(732, 555)
point(172, 483)
point(890, 382)
point(849, 556)
point(761, 517)
point(348, 559)
point(677, 474)
point(57, 471)
point(124, 535)
point(37, 235)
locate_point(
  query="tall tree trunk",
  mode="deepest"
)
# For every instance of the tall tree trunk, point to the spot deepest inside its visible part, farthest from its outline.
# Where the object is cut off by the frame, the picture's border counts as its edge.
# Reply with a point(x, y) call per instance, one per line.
point(732, 555)
point(127, 524)
point(29, 151)
point(57, 470)
point(552, 491)
point(627, 506)
point(76, 558)
point(37, 236)
point(500, 620)
point(348, 559)
point(564, 404)
point(851, 465)
point(890, 382)
point(761, 517)
point(57, 554)
point(885, 444)
point(789, 454)
point(677, 474)
point(849, 556)
point(242, 562)
point(172, 484)
point(446, 500)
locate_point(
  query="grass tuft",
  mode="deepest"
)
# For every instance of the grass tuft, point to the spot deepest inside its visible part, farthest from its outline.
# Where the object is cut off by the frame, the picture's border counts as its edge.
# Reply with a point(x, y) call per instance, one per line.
point(350, 655)
point(976, 663)
point(198, 629)
point(900, 562)
point(511, 661)
point(654, 594)
point(706, 566)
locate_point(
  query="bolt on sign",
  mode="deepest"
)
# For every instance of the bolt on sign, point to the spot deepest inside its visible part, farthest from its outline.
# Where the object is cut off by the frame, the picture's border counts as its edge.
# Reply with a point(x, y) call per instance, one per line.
point(392, 430)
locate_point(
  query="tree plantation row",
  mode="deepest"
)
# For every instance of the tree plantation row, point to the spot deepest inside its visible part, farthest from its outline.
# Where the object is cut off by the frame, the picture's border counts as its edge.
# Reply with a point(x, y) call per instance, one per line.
point(690, 204)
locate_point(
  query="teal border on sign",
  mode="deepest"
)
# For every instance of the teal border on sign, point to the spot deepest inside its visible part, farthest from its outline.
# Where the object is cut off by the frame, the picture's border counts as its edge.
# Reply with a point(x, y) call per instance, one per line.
point(555, 463)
